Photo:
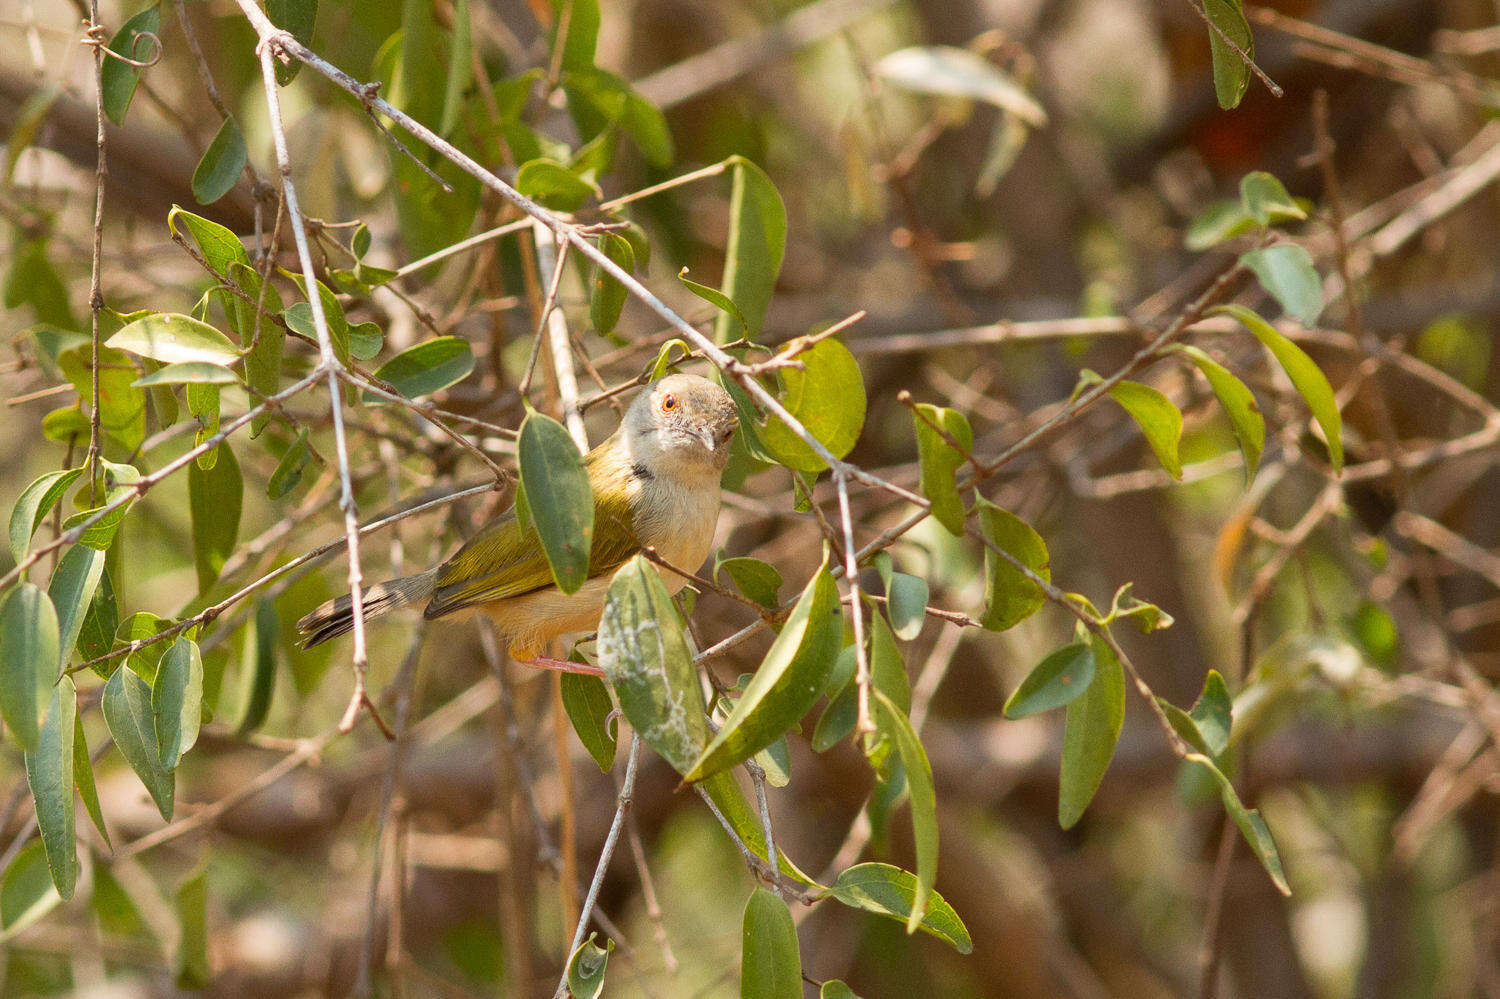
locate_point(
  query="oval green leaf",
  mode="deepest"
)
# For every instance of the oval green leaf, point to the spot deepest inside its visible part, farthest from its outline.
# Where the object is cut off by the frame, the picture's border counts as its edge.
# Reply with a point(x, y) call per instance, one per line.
point(608, 297)
point(940, 461)
point(49, 771)
point(827, 396)
point(221, 164)
point(427, 367)
point(118, 79)
point(177, 701)
point(188, 373)
point(559, 497)
point(35, 502)
point(28, 661)
point(170, 337)
point(757, 580)
point(71, 591)
point(1265, 199)
point(587, 703)
point(889, 891)
point(587, 965)
point(757, 241)
point(26, 892)
point(1010, 596)
point(770, 962)
point(219, 246)
point(919, 784)
point(1231, 74)
point(1239, 405)
point(554, 185)
point(1062, 676)
point(1287, 272)
point(1091, 731)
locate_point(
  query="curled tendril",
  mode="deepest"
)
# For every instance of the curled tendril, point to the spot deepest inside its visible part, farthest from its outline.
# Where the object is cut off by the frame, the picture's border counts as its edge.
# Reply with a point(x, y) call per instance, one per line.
point(94, 34)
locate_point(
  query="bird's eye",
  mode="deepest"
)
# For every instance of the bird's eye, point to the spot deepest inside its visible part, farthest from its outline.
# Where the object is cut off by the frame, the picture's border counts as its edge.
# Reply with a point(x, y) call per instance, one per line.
point(668, 403)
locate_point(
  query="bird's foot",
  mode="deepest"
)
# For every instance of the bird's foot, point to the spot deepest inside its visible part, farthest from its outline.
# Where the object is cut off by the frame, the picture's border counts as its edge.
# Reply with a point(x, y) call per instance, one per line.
point(561, 666)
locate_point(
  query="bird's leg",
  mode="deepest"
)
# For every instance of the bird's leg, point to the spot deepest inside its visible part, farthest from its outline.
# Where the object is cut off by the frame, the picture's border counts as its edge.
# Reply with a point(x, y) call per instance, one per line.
point(561, 665)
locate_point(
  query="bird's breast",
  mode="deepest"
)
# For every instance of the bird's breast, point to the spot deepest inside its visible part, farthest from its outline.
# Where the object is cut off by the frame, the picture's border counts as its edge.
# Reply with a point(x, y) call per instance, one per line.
point(679, 523)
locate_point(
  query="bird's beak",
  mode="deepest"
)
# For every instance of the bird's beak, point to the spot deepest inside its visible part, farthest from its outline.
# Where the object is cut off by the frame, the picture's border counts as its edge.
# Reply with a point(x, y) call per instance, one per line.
point(706, 435)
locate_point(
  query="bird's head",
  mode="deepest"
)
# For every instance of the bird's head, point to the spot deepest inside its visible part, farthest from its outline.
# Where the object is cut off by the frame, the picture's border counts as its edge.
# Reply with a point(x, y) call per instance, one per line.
point(683, 424)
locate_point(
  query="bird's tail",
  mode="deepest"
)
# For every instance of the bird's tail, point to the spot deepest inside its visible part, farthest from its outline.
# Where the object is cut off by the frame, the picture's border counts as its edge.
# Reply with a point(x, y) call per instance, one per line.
point(336, 617)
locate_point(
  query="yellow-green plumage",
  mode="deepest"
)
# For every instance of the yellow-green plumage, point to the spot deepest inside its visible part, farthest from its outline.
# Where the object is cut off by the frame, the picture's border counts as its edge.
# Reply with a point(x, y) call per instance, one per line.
point(655, 483)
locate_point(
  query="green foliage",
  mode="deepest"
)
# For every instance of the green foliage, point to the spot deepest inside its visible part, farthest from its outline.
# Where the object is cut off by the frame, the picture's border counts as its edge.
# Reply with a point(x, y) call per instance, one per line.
point(770, 962)
point(258, 668)
point(127, 711)
point(1239, 405)
point(49, 772)
point(118, 78)
point(586, 969)
point(827, 396)
point(26, 891)
point(940, 460)
point(28, 661)
point(559, 497)
point(1062, 676)
point(760, 581)
point(299, 17)
point(586, 700)
point(221, 164)
point(1159, 420)
point(191, 959)
point(757, 241)
point(71, 591)
point(177, 701)
point(890, 891)
point(33, 505)
point(1229, 31)
point(608, 298)
point(214, 498)
point(426, 367)
point(1091, 732)
point(1287, 272)
point(1010, 596)
point(172, 338)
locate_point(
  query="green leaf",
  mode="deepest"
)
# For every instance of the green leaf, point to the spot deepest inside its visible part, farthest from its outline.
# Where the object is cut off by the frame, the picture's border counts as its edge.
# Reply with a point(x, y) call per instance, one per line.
point(887, 668)
point(177, 701)
point(1010, 596)
point(28, 661)
point(127, 712)
point(26, 891)
point(1061, 677)
point(97, 634)
point(587, 966)
point(32, 280)
point(83, 778)
point(827, 396)
point(219, 246)
point(66, 425)
point(170, 337)
point(608, 298)
point(1159, 420)
point(1305, 377)
point(33, 505)
point(72, 592)
point(221, 164)
point(191, 960)
point(940, 461)
point(118, 79)
point(427, 367)
point(258, 668)
point(1231, 75)
point(1287, 272)
point(554, 185)
point(1251, 825)
point(598, 99)
point(923, 803)
point(835, 989)
point(263, 362)
point(49, 771)
point(120, 479)
point(757, 241)
point(889, 891)
point(1219, 221)
point(214, 497)
point(24, 127)
point(790, 679)
point(460, 67)
point(1090, 734)
point(906, 603)
point(559, 497)
point(836, 723)
point(122, 406)
point(299, 316)
point(365, 340)
point(1239, 405)
point(1212, 712)
point(587, 703)
point(575, 27)
point(760, 581)
point(1265, 199)
point(203, 403)
point(954, 72)
point(646, 659)
point(770, 962)
point(188, 373)
point(289, 469)
point(299, 17)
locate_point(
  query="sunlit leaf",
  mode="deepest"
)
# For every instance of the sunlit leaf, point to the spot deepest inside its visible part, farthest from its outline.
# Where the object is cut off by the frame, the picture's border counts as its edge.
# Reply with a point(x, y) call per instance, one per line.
point(219, 246)
point(221, 164)
point(1010, 596)
point(827, 396)
point(955, 72)
point(923, 803)
point(26, 890)
point(940, 461)
point(170, 337)
point(1265, 199)
point(1288, 273)
point(71, 591)
point(587, 966)
point(188, 373)
point(33, 505)
point(790, 679)
point(760, 581)
point(1239, 405)
point(889, 891)
point(575, 29)
point(1231, 75)
point(127, 712)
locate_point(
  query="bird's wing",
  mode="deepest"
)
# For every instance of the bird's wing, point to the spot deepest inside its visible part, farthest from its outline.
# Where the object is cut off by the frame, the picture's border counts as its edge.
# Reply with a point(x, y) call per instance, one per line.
point(504, 561)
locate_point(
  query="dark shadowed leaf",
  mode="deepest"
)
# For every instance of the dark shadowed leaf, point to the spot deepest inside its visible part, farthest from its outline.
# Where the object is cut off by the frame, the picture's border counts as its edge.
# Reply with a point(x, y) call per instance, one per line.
point(427, 367)
point(49, 771)
point(1091, 732)
point(646, 659)
point(83, 779)
point(214, 497)
point(586, 968)
point(757, 240)
point(1251, 825)
point(889, 891)
point(587, 702)
point(608, 295)
point(177, 701)
point(554, 185)
point(221, 164)
point(924, 825)
point(770, 962)
point(790, 679)
point(33, 505)
point(170, 337)
point(257, 668)
point(28, 661)
point(298, 17)
point(127, 712)
point(940, 461)
point(1231, 75)
point(559, 497)
point(1305, 376)
point(1239, 405)
point(1287, 272)
point(1010, 596)
point(97, 634)
point(117, 80)
point(460, 67)
point(827, 396)
point(575, 30)
point(288, 473)
point(1061, 677)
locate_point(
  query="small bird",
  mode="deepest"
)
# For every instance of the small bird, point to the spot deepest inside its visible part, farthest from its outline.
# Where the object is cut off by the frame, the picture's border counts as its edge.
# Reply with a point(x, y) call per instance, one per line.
point(656, 485)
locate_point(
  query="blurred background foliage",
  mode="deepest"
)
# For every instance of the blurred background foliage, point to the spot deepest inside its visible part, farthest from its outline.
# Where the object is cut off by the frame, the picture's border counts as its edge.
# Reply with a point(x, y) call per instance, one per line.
point(1359, 633)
